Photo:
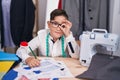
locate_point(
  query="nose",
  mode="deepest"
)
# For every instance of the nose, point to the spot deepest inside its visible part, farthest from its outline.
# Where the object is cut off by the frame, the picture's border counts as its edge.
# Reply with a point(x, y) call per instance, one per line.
point(59, 25)
point(58, 28)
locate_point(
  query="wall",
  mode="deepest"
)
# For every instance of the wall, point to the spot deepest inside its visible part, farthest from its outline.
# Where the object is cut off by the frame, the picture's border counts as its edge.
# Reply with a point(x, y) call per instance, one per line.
point(115, 19)
point(50, 7)
point(41, 13)
point(44, 9)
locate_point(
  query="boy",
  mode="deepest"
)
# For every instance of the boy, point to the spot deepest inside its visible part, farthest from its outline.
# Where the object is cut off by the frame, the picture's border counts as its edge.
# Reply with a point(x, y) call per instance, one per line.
point(55, 41)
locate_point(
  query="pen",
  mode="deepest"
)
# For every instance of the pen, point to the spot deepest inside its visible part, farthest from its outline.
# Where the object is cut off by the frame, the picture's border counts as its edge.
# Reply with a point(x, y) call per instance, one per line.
point(32, 52)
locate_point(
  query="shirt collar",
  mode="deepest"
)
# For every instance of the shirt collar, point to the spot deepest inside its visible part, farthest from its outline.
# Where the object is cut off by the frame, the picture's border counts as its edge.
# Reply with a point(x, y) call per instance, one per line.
point(51, 38)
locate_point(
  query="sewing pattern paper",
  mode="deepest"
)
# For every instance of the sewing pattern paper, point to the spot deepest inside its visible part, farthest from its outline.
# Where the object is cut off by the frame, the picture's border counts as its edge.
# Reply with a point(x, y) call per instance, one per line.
point(49, 68)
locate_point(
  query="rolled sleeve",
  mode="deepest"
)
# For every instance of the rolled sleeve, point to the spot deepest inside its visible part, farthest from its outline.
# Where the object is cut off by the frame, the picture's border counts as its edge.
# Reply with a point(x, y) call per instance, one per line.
point(74, 45)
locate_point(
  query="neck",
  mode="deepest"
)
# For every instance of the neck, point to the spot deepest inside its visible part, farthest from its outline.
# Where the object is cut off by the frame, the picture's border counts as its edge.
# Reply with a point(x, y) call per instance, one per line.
point(55, 39)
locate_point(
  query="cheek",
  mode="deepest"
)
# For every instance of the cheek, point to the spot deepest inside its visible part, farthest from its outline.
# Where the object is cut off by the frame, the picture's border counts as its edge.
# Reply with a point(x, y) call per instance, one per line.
point(52, 30)
point(56, 33)
point(61, 33)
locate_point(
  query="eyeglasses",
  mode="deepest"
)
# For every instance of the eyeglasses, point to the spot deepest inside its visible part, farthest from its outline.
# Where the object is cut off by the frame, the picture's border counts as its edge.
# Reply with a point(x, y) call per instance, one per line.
point(56, 24)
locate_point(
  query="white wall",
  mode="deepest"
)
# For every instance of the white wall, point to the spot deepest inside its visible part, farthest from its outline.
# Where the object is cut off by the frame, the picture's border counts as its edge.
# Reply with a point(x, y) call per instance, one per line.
point(115, 19)
point(51, 5)
point(44, 9)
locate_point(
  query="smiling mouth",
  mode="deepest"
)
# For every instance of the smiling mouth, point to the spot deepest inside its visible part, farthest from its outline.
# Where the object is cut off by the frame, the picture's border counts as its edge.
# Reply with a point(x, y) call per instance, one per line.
point(58, 32)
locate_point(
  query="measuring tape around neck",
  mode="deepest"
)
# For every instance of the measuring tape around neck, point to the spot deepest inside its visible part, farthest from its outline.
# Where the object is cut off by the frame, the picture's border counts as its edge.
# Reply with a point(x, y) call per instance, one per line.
point(47, 45)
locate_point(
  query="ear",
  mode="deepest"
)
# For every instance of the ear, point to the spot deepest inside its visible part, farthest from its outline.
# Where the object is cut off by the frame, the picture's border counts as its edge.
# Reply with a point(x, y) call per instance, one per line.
point(48, 22)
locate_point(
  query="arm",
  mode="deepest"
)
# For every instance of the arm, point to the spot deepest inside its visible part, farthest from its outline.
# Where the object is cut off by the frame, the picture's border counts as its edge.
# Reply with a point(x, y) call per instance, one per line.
point(23, 53)
point(73, 47)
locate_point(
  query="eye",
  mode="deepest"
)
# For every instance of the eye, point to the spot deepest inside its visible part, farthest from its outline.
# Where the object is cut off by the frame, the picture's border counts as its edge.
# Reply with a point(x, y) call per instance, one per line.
point(63, 26)
point(55, 23)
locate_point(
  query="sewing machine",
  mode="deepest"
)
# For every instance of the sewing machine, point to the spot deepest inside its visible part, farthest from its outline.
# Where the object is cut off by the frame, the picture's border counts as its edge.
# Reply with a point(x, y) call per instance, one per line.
point(97, 37)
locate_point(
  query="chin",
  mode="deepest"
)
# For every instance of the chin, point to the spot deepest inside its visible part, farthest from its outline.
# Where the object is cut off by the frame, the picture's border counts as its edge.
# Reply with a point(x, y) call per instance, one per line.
point(58, 36)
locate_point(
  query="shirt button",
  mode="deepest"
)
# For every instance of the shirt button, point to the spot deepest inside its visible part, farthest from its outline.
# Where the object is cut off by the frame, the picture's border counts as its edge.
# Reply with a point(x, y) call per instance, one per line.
point(91, 18)
point(89, 10)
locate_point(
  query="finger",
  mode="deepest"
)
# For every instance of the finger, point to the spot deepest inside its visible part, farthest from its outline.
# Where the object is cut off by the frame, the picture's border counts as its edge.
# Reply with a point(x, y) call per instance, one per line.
point(33, 65)
point(38, 58)
point(30, 65)
point(61, 28)
point(63, 25)
point(37, 62)
point(68, 23)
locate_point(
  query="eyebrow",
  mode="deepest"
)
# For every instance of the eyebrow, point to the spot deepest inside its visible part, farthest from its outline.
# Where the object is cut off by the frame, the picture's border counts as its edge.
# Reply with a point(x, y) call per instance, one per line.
point(58, 22)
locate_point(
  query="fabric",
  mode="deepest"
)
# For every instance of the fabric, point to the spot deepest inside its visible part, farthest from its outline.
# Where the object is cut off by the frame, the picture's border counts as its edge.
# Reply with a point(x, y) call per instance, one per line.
point(87, 14)
point(96, 13)
point(8, 42)
point(72, 9)
point(103, 67)
point(11, 75)
point(55, 49)
point(60, 4)
point(22, 15)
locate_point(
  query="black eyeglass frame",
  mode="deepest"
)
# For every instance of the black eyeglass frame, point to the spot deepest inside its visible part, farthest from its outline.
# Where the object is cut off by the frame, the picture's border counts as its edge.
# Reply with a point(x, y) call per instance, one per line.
point(56, 24)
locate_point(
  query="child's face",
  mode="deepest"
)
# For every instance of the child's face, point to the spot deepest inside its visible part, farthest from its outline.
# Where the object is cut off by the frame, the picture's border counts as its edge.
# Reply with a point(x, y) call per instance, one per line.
point(54, 26)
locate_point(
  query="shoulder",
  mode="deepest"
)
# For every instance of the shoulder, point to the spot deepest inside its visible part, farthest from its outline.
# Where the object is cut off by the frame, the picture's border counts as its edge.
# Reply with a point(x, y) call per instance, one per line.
point(43, 32)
